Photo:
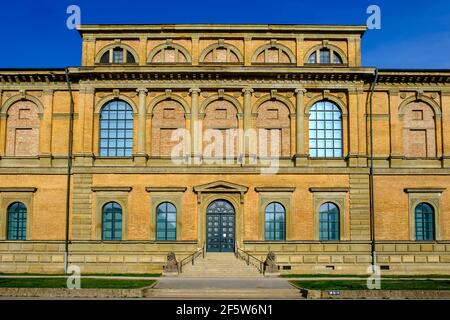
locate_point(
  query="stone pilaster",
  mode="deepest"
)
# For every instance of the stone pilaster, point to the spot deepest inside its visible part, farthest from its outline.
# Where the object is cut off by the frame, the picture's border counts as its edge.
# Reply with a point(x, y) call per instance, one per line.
point(141, 157)
point(301, 157)
point(46, 130)
point(82, 207)
point(195, 125)
point(247, 123)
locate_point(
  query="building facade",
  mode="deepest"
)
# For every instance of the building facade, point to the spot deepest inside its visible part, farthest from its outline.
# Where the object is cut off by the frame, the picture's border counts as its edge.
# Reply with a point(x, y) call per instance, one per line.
point(224, 136)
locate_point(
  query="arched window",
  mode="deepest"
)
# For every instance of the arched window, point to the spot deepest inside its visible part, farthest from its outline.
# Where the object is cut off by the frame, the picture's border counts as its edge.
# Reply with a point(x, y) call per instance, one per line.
point(424, 221)
point(17, 221)
point(166, 221)
point(325, 56)
point(419, 130)
point(325, 130)
point(329, 221)
point(118, 55)
point(112, 221)
point(116, 129)
point(22, 129)
point(275, 227)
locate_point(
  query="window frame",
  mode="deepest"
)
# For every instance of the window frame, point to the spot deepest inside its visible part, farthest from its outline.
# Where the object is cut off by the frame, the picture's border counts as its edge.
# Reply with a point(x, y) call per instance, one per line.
point(113, 222)
point(21, 222)
point(166, 222)
point(431, 223)
point(314, 131)
point(113, 129)
point(274, 222)
point(333, 233)
point(109, 52)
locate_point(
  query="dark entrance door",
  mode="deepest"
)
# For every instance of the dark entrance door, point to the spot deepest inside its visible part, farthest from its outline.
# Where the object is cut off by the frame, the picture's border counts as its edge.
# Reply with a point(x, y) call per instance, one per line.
point(220, 226)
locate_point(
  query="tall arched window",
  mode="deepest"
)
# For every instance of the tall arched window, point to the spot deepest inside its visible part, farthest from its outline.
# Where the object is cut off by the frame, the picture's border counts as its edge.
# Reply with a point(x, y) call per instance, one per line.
point(275, 227)
point(166, 221)
point(329, 221)
point(112, 221)
point(325, 130)
point(17, 221)
point(424, 221)
point(116, 129)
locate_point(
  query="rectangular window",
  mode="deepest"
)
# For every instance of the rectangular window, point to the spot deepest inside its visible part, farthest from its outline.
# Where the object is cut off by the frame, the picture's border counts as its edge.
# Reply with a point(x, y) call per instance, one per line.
point(118, 55)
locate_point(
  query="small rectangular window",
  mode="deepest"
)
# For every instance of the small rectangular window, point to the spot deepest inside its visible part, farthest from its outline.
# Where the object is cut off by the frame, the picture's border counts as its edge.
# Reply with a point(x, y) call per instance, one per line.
point(118, 55)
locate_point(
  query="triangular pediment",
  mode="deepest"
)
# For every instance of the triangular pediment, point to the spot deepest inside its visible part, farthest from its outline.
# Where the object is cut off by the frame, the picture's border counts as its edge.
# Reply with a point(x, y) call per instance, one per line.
point(220, 186)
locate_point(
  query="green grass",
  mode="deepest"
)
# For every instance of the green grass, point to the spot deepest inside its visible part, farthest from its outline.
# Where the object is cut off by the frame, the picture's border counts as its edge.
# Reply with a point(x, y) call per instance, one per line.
point(149, 275)
point(362, 284)
point(436, 276)
point(85, 283)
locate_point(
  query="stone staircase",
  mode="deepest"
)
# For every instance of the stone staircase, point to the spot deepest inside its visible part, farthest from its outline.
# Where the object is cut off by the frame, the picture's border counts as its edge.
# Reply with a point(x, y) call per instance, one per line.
point(223, 264)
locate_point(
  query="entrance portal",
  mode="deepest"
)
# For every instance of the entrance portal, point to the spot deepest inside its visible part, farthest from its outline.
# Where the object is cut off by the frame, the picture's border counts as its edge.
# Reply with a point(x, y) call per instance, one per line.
point(220, 226)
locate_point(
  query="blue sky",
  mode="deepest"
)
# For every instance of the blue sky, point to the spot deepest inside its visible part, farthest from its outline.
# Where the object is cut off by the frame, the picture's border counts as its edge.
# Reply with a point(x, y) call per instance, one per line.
point(414, 33)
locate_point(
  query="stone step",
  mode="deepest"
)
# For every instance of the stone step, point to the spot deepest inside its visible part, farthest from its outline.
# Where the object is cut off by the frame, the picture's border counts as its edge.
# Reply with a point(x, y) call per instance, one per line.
point(224, 293)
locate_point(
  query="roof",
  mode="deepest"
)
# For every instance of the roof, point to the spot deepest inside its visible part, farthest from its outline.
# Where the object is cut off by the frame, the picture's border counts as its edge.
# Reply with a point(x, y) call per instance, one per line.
point(279, 28)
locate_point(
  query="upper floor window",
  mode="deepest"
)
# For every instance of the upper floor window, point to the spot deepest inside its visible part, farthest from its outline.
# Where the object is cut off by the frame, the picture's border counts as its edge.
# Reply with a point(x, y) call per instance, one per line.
point(116, 129)
point(118, 55)
point(112, 221)
point(17, 221)
point(329, 221)
point(166, 222)
point(325, 130)
point(275, 227)
point(325, 56)
point(424, 221)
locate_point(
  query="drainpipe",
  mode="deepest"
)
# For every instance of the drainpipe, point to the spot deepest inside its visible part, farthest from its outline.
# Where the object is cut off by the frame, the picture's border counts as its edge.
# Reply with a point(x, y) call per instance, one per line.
point(371, 175)
point(69, 172)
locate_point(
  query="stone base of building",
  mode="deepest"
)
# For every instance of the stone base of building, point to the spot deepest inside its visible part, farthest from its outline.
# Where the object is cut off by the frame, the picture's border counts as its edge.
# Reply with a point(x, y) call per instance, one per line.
point(299, 257)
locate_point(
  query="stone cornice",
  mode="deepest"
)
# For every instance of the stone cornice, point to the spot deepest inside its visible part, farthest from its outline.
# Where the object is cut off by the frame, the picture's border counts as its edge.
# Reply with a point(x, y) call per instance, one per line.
point(18, 189)
point(165, 189)
point(424, 190)
point(328, 189)
point(111, 189)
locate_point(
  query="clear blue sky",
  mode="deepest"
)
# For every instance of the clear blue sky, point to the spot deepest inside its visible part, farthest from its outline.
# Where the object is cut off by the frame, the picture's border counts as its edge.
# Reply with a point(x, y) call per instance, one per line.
point(414, 34)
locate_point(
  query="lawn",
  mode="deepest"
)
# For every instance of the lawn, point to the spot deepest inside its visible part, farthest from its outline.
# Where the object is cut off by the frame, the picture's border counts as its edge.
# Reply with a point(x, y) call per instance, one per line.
point(62, 283)
point(149, 275)
point(362, 284)
point(434, 276)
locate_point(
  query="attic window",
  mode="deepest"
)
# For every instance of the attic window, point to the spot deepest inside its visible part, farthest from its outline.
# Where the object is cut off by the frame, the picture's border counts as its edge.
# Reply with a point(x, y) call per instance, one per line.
point(117, 55)
point(325, 56)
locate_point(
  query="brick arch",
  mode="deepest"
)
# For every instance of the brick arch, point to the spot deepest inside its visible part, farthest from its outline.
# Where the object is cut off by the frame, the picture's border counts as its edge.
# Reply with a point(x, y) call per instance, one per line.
point(229, 47)
point(108, 47)
point(436, 108)
point(8, 103)
point(99, 106)
point(274, 46)
point(172, 46)
point(275, 97)
point(168, 115)
point(338, 102)
point(225, 97)
point(173, 97)
point(22, 129)
point(419, 129)
point(331, 47)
